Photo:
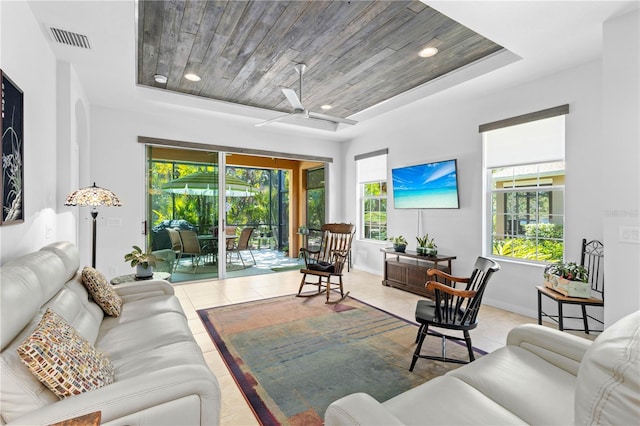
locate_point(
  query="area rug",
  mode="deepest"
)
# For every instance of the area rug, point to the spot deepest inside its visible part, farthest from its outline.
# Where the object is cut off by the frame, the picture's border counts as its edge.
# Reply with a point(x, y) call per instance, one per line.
point(292, 357)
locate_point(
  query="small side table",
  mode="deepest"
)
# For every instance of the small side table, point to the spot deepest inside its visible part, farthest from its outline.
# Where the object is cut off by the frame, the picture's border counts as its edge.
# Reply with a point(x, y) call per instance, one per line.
point(132, 277)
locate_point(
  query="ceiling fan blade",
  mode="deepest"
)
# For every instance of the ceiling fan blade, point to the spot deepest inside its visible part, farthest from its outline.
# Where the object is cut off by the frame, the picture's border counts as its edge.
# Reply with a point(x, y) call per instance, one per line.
point(332, 118)
point(292, 97)
point(273, 120)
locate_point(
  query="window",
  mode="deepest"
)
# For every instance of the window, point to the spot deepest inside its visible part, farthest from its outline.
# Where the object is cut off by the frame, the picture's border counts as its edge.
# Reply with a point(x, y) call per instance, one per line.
point(315, 198)
point(374, 211)
point(524, 180)
point(372, 187)
point(527, 211)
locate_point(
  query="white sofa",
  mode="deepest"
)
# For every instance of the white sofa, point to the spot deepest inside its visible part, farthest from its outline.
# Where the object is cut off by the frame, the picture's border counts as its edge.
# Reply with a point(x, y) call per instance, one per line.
point(542, 377)
point(161, 377)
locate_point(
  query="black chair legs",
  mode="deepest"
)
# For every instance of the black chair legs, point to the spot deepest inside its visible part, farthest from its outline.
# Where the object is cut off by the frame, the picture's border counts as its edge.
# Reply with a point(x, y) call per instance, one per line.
point(422, 333)
point(467, 339)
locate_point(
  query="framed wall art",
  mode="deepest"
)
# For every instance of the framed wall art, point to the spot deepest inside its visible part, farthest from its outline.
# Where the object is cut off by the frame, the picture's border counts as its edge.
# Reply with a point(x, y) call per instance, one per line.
point(11, 123)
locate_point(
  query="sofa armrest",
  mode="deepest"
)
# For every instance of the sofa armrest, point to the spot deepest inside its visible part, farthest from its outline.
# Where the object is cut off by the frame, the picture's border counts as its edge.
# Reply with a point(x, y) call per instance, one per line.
point(136, 394)
point(559, 348)
point(358, 409)
point(158, 287)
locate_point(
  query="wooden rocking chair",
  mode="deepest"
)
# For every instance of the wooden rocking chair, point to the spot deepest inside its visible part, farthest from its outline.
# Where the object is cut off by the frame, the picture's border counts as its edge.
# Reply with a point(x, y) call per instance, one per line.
point(328, 262)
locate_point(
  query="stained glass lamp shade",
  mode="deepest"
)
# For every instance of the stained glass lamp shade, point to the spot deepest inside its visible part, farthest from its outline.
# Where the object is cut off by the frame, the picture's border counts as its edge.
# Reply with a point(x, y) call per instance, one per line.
point(94, 197)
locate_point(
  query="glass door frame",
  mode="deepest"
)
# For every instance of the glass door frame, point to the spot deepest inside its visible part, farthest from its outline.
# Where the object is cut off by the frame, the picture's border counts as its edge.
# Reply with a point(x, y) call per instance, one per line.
point(148, 228)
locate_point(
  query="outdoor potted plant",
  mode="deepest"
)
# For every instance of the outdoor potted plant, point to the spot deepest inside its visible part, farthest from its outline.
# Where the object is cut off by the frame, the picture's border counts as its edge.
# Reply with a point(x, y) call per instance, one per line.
point(426, 246)
point(399, 243)
point(568, 278)
point(144, 262)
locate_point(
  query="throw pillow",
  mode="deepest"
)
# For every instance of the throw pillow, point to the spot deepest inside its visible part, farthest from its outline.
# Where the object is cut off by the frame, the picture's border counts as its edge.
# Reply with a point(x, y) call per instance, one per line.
point(62, 359)
point(102, 292)
point(322, 266)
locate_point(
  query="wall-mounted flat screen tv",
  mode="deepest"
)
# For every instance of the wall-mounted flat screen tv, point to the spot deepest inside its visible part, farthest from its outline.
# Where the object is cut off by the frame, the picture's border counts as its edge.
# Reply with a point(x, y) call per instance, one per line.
point(426, 186)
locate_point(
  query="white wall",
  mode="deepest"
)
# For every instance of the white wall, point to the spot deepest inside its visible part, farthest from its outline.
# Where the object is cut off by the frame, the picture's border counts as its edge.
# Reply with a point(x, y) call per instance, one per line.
point(73, 136)
point(27, 59)
point(445, 126)
point(118, 163)
point(621, 163)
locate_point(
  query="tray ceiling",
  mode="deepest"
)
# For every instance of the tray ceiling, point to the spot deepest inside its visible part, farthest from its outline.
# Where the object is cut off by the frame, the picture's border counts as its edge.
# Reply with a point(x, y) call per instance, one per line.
point(358, 53)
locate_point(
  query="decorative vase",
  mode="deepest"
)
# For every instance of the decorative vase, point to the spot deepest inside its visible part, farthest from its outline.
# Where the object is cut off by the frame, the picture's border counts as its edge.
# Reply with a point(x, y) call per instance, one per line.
point(142, 272)
point(400, 248)
point(422, 251)
point(431, 251)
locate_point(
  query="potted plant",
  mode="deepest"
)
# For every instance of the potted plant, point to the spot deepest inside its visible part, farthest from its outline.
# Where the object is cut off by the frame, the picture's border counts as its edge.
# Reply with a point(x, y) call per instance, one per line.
point(426, 246)
point(568, 278)
point(144, 262)
point(399, 243)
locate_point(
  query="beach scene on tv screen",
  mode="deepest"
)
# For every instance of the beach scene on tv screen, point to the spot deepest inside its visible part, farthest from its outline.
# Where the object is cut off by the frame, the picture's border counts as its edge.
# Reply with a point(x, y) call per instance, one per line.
point(425, 186)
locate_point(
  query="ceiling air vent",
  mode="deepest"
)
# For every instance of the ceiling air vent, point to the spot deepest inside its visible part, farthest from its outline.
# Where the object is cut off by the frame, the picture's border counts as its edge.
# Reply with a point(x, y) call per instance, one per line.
point(69, 38)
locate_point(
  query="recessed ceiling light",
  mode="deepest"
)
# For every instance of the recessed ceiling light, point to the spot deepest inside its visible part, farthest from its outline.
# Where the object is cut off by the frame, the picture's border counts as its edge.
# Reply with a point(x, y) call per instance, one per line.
point(428, 52)
point(192, 77)
point(326, 107)
point(159, 78)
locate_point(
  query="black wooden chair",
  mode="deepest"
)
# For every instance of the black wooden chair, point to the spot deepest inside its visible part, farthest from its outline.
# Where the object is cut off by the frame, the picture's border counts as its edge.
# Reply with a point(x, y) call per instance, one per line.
point(328, 261)
point(453, 308)
point(592, 258)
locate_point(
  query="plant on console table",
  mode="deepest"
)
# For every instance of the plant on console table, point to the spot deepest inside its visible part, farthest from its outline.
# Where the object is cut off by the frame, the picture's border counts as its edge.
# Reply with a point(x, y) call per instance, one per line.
point(143, 262)
point(399, 243)
point(426, 246)
point(568, 278)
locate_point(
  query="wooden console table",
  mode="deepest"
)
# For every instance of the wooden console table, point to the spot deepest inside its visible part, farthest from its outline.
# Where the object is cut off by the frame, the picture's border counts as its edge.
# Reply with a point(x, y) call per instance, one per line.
point(408, 270)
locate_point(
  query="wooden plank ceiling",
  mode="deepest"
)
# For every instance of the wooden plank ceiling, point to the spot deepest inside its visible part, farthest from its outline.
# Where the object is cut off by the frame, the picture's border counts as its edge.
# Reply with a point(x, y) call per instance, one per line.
point(358, 53)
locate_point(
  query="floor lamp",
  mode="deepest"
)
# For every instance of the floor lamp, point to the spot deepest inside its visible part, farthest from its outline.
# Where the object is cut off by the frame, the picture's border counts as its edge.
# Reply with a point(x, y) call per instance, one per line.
point(94, 197)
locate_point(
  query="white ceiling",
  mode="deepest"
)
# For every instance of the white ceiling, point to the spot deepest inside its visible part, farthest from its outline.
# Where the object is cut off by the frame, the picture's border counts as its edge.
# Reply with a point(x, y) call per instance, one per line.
point(543, 36)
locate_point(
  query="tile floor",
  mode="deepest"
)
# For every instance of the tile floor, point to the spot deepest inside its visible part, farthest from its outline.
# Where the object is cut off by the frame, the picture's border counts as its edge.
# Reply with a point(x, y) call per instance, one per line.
point(491, 332)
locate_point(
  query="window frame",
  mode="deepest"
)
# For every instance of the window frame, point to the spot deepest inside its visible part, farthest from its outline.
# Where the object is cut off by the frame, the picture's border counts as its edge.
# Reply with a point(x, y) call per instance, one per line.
point(363, 200)
point(491, 216)
point(320, 189)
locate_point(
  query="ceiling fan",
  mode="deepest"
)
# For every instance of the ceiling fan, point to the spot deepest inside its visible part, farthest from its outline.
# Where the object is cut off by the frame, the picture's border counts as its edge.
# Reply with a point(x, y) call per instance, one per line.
point(299, 110)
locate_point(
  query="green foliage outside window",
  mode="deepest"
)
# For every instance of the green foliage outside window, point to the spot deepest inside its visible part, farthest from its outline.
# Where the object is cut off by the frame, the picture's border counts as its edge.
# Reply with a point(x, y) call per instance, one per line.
point(315, 198)
point(374, 211)
point(260, 208)
point(528, 212)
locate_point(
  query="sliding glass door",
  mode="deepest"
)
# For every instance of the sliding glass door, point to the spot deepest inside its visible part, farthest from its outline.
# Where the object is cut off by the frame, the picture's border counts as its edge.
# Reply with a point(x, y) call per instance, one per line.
point(182, 213)
point(192, 226)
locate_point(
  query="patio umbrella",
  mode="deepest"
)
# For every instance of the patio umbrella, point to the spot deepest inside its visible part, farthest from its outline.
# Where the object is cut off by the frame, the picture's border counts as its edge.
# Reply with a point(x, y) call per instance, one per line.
point(206, 183)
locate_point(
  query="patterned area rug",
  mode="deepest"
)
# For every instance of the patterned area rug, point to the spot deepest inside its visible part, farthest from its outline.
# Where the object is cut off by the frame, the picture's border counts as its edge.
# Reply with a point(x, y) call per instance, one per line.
point(292, 356)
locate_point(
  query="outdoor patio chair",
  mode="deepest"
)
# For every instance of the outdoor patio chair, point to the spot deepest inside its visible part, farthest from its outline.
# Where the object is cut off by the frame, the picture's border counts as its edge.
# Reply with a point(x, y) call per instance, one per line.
point(241, 245)
point(191, 246)
point(176, 246)
point(328, 261)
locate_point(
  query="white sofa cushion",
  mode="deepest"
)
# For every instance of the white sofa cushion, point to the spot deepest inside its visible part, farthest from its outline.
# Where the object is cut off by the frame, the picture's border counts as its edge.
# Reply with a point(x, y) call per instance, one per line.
point(447, 400)
point(20, 301)
point(72, 303)
point(21, 391)
point(143, 335)
point(608, 383)
point(533, 389)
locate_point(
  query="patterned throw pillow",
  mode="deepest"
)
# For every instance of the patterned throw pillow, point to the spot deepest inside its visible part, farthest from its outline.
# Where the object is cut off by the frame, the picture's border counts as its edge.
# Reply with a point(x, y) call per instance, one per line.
point(102, 292)
point(62, 359)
